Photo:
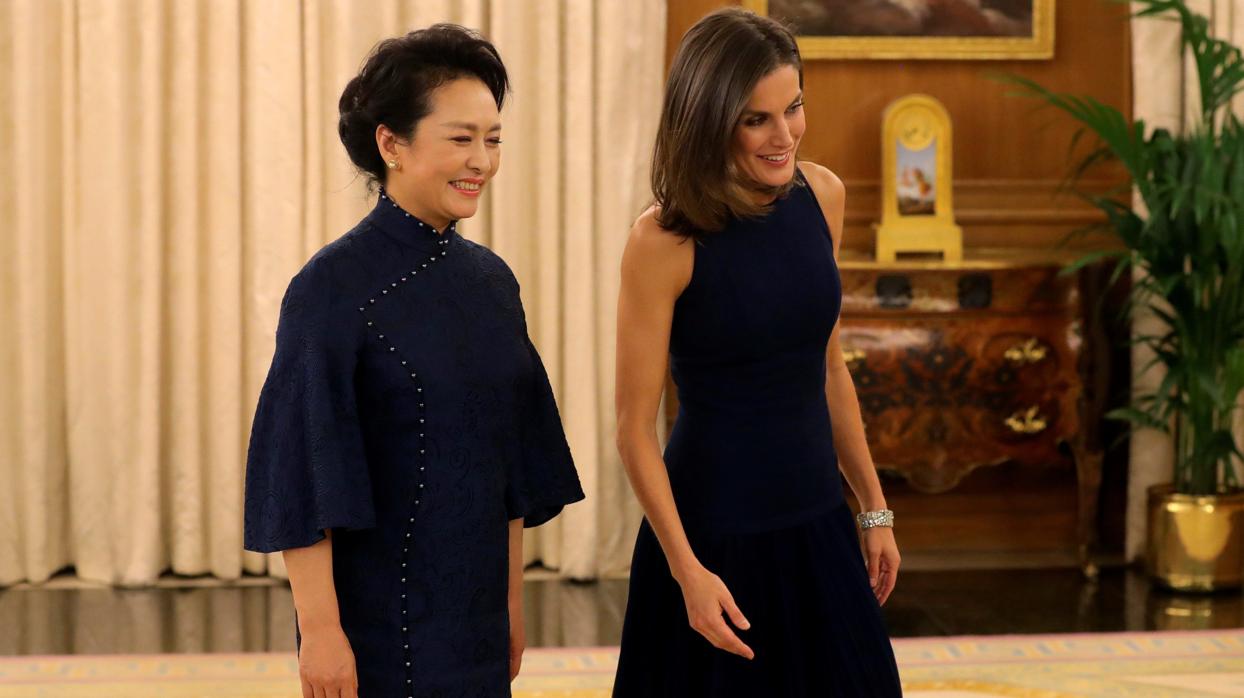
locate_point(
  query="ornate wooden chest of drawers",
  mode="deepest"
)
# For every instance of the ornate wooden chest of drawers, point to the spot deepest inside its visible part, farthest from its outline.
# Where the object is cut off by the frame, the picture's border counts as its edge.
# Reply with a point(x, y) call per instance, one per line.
point(970, 364)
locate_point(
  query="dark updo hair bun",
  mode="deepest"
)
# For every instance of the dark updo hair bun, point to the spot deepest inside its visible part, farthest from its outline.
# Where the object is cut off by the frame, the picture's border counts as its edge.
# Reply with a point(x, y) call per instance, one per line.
point(396, 82)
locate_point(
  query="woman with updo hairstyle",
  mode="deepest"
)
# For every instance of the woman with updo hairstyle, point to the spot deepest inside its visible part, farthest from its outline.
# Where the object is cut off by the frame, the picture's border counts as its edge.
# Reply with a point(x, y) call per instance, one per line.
point(406, 432)
point(750, 576)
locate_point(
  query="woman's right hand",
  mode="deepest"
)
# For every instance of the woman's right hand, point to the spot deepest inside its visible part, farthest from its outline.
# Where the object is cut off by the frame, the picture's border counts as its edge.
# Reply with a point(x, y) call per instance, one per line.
point(656, 269)
point(326, 665)
point(707, 598)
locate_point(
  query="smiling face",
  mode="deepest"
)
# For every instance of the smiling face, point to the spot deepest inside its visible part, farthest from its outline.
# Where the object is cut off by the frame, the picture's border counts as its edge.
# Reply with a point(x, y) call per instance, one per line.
point(768, 131)
point(454, 150)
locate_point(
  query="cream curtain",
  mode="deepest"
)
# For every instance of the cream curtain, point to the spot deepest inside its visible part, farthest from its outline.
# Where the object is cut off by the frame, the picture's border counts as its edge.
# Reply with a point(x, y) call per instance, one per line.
point(165, 167)
point(1165, 96)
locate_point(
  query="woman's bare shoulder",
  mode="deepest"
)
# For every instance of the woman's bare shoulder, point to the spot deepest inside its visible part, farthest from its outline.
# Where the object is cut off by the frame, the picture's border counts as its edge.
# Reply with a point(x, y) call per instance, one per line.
point(659, 255)
point(649, 237)
point(827, 186)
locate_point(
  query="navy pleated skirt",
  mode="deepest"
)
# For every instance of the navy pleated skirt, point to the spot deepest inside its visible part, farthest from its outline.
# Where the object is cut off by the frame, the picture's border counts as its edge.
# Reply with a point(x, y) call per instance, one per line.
point(816, 628)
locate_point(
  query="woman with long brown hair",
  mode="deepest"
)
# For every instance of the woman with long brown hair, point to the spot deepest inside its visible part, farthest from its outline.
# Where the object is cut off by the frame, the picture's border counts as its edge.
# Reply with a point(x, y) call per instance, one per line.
point(748, 578)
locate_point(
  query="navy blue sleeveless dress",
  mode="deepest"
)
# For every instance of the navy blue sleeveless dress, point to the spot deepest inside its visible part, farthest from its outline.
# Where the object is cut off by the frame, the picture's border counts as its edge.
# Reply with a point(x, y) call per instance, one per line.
point(407, 410)
point(754, 474)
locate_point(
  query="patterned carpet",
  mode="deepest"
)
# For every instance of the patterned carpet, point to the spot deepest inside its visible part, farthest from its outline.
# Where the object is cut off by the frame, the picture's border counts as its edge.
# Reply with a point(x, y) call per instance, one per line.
point(1149, 665)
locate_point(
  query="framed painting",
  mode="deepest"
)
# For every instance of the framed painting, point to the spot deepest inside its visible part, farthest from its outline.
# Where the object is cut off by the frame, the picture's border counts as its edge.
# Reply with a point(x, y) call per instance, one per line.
point(926, 29)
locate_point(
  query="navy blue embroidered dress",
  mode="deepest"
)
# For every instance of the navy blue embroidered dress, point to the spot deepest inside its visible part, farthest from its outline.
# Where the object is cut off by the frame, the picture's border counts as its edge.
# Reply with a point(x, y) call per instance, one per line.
point(407, 410)
point(754, 474)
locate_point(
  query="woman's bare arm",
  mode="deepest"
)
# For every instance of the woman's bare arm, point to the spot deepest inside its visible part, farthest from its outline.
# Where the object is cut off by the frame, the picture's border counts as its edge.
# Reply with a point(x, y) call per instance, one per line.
point(656, 267)
point(849, 440)
point(325, 660)
point(311, 577)
point(854, 459)
point(518, 628)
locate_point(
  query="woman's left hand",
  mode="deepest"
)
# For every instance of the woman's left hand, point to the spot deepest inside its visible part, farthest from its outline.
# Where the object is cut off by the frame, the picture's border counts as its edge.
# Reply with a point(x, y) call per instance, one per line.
point(881, 552)
point(518, 638)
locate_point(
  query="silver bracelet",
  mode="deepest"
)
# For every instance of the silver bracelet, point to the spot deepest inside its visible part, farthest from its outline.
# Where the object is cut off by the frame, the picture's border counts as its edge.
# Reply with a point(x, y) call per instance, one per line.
point(873, 519)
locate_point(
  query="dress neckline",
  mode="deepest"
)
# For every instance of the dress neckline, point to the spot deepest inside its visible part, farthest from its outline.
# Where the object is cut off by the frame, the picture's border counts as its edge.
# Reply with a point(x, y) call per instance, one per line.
point(406, 228)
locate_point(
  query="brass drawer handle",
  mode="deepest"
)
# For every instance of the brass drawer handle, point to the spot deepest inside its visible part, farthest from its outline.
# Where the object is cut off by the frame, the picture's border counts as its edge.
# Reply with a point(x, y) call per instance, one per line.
point(1027, 421)
point(852, 357)
point(1030, 351)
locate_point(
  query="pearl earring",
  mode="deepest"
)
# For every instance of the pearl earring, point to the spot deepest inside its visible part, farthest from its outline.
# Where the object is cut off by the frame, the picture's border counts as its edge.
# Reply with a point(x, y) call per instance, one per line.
point(393, 164)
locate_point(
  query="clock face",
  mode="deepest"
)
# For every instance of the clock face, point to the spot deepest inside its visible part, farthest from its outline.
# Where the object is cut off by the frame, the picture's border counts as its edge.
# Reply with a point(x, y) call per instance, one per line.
point(917, 126)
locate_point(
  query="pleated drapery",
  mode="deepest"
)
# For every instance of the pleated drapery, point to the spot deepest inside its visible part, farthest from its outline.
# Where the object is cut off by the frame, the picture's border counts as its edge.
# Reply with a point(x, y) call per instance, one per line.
point(168, 166)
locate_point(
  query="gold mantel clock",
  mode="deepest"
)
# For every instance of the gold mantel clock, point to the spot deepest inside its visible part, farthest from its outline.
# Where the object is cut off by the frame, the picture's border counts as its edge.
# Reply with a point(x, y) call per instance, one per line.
point(917, 214)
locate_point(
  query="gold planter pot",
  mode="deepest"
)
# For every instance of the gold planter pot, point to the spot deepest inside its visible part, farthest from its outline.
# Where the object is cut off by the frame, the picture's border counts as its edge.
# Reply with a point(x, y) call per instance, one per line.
point(1196, 542)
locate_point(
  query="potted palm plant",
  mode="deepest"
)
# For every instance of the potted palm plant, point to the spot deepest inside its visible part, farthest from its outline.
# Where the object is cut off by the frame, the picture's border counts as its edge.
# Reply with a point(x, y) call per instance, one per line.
point(1185, 241)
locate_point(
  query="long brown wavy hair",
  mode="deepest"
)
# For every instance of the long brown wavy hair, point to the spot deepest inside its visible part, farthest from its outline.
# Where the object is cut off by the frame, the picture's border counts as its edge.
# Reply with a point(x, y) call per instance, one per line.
point(718, 63)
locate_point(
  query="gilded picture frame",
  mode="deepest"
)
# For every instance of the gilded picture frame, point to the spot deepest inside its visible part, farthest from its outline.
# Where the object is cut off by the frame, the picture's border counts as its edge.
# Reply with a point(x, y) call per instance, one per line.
point(899, 42)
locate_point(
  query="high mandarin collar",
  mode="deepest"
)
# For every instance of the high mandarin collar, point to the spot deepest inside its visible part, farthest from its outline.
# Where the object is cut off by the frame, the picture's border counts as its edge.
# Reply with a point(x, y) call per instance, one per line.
point(406, 228)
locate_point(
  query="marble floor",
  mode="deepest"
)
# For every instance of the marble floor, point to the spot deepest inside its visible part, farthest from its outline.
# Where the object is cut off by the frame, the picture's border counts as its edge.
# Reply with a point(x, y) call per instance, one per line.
point(196, 615)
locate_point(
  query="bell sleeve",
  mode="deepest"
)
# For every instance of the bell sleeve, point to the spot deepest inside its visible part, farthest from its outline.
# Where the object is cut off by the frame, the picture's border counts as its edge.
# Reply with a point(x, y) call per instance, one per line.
point(544, 479)
point(306, 469)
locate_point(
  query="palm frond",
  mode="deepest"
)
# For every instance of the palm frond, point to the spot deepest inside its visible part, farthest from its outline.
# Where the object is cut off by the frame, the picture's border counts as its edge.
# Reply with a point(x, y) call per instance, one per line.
point(1188, 243)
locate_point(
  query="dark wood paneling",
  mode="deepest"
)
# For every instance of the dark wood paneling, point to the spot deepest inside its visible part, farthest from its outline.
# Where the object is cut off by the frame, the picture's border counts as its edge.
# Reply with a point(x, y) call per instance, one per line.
point(994, 510)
